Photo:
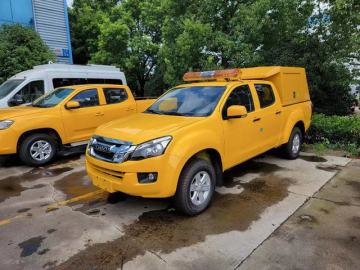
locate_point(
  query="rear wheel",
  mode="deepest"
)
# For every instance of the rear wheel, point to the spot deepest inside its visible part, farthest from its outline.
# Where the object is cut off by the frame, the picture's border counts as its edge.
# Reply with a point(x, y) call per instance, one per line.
point(291, 149)
point(196, 187)
point(38, 149)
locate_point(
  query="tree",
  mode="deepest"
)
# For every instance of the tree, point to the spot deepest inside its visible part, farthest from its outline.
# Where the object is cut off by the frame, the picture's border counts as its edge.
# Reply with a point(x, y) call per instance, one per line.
point(21, 48)
point(85, 18)
point(130, 38)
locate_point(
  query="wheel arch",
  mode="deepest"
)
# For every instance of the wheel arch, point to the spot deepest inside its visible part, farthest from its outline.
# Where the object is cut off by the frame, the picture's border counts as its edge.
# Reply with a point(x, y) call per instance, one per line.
point(52, 132)
point(212, 155)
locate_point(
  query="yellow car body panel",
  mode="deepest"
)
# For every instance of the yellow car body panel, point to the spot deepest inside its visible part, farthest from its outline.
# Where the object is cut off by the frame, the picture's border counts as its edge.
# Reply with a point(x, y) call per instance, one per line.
point(71, 126)
point(233, 140)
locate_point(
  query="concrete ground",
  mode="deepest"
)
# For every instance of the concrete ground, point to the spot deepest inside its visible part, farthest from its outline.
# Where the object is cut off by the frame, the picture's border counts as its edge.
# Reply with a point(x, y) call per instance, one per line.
point(271, 214)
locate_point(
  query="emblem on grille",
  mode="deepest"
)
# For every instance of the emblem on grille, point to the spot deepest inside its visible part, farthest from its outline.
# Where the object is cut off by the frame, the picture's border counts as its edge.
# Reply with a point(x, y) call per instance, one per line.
point(102, 148)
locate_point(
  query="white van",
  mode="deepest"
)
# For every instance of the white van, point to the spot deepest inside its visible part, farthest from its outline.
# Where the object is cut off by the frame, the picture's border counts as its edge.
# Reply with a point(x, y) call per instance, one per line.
point(27, 86)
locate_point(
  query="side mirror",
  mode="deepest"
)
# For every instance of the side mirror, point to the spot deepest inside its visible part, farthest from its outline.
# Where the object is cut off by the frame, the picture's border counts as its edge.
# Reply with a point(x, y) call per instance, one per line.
point(236, 111)
point(16, 100)
point(168, 105)
point(72, 105)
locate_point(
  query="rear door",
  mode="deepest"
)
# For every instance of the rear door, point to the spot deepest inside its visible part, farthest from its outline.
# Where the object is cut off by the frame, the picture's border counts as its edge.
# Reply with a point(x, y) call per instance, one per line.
point(268, 120)
point(81, 123)
point(118, 103)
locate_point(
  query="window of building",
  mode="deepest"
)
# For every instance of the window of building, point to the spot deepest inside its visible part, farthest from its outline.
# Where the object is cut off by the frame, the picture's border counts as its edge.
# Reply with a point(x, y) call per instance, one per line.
point(115, 95)
point(87, 98)
point(241, 96)
point(32, 91)
point(265, 94)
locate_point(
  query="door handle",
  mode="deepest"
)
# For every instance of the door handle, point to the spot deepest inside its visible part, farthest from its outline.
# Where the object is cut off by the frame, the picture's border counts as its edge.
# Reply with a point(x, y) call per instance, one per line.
point(99, 114)
point(278, 112)
point(256, 119)
point(129, 109)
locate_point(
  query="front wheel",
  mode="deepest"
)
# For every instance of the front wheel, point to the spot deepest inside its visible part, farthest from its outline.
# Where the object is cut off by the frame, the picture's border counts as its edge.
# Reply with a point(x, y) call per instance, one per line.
point(196, 187)
point(37, 149)
point(291, 149)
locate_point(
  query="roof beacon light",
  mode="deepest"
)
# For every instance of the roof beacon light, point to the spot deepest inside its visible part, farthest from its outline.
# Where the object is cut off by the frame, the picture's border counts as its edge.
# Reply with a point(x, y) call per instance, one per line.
point(219, 75)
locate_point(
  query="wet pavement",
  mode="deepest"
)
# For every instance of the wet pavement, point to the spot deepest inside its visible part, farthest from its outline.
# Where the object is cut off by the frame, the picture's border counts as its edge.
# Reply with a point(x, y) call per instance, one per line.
point(53, 218)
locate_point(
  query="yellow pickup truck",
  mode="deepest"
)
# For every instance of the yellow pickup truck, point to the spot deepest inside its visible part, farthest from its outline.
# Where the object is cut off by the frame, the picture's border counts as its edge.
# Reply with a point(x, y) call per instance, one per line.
point(181, 145)
point(63, 120)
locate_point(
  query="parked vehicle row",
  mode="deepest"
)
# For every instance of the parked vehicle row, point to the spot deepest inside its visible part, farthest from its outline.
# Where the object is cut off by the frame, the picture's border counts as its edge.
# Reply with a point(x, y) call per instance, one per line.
point(176, 146)
point(25, 87)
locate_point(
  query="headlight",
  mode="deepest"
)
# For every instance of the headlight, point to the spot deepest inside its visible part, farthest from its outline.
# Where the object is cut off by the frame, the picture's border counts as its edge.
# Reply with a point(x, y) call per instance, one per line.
point(6, 124)
point(152, 148)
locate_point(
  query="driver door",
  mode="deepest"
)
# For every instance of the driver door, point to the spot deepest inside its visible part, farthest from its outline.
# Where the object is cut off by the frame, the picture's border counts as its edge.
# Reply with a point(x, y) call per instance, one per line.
point(240, 134)
point(81, 123)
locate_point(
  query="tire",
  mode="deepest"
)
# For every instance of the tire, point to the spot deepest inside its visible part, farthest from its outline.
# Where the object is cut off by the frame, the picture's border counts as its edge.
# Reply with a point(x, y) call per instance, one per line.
point(31, 143)
point(291, 150)
point(190, 202)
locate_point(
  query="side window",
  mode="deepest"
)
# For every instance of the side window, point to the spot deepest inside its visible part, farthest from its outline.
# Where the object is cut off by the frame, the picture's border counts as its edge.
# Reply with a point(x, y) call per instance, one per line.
point(265, 94)
point(114, 81)
point(95, 81)
point(32, 91)
point(241, 96)
point(115, 95)
point(61, 82)
point(87, 98)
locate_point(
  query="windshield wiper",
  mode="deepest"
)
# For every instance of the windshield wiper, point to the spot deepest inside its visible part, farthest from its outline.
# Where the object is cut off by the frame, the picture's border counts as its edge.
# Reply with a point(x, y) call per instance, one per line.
point(153, 111)
point(176, 113)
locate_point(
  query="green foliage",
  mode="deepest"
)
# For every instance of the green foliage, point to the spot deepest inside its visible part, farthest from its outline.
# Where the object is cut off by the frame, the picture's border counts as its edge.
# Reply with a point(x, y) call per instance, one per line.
point(156, 41)
point(20, 49)
point(335, 130)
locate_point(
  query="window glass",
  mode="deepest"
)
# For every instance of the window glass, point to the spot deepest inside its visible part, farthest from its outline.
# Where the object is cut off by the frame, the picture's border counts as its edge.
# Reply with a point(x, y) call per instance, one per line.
point(188, 101)
point(95, 81)
point(53, 98)
point(241, 96)
point(32, 91)
point(16, 11)
point(8, 86)
point(87, 98)
point(265, 94)
point(114, 95)
point(113, 81)
point(61, 82)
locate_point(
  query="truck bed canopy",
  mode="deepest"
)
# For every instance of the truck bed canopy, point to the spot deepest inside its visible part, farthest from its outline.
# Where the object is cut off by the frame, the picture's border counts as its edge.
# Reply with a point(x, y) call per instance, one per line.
point(290, 82)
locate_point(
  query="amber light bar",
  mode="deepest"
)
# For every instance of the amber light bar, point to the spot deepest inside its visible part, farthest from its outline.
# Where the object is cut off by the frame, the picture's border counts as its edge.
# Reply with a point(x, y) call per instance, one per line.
point(223, 75)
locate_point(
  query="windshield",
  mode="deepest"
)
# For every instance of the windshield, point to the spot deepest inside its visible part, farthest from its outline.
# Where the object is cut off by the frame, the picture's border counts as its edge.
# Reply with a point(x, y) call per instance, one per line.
point(188, 101)
point(53, 98)
point(8, 86)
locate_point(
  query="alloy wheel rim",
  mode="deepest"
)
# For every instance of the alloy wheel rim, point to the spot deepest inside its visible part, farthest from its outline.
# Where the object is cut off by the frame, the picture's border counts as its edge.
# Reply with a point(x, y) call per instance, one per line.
point(40, 150)
point(200, 188)
point(296, 144)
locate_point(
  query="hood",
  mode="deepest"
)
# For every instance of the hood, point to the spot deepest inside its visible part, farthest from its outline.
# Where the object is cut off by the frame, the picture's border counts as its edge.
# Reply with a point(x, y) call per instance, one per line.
point(10, 113)
point(142, 127)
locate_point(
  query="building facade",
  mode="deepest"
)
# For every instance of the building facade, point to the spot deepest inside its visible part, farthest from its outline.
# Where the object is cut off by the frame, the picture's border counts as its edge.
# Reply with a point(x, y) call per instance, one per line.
point(47, 17)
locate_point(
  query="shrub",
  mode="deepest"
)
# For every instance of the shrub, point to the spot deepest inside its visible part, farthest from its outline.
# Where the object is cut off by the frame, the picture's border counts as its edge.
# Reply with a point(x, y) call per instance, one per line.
point(335, 130)
point(21, 48)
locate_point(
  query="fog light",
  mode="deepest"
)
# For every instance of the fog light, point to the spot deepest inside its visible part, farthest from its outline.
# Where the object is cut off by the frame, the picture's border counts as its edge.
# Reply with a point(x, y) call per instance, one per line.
point(144, 178)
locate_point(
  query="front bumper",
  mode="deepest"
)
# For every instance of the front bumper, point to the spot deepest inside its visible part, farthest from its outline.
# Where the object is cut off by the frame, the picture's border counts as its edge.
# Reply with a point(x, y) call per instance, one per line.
point(122, 177)
point(8, 142)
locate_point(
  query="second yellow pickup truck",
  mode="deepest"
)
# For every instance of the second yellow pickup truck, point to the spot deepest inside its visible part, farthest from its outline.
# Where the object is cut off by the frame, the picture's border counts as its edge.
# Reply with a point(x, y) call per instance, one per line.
point(181, 145)
point(63, 120)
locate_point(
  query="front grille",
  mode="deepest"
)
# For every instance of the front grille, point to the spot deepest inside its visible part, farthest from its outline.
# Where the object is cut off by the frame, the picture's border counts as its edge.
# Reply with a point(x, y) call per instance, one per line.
point(109, 150)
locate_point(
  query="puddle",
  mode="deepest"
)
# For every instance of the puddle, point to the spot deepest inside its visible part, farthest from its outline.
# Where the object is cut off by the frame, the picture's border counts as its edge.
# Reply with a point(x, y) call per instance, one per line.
point(12, 186)
point(164, 231)
point(30, 246)
point(75, 184)
point(313, 158)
